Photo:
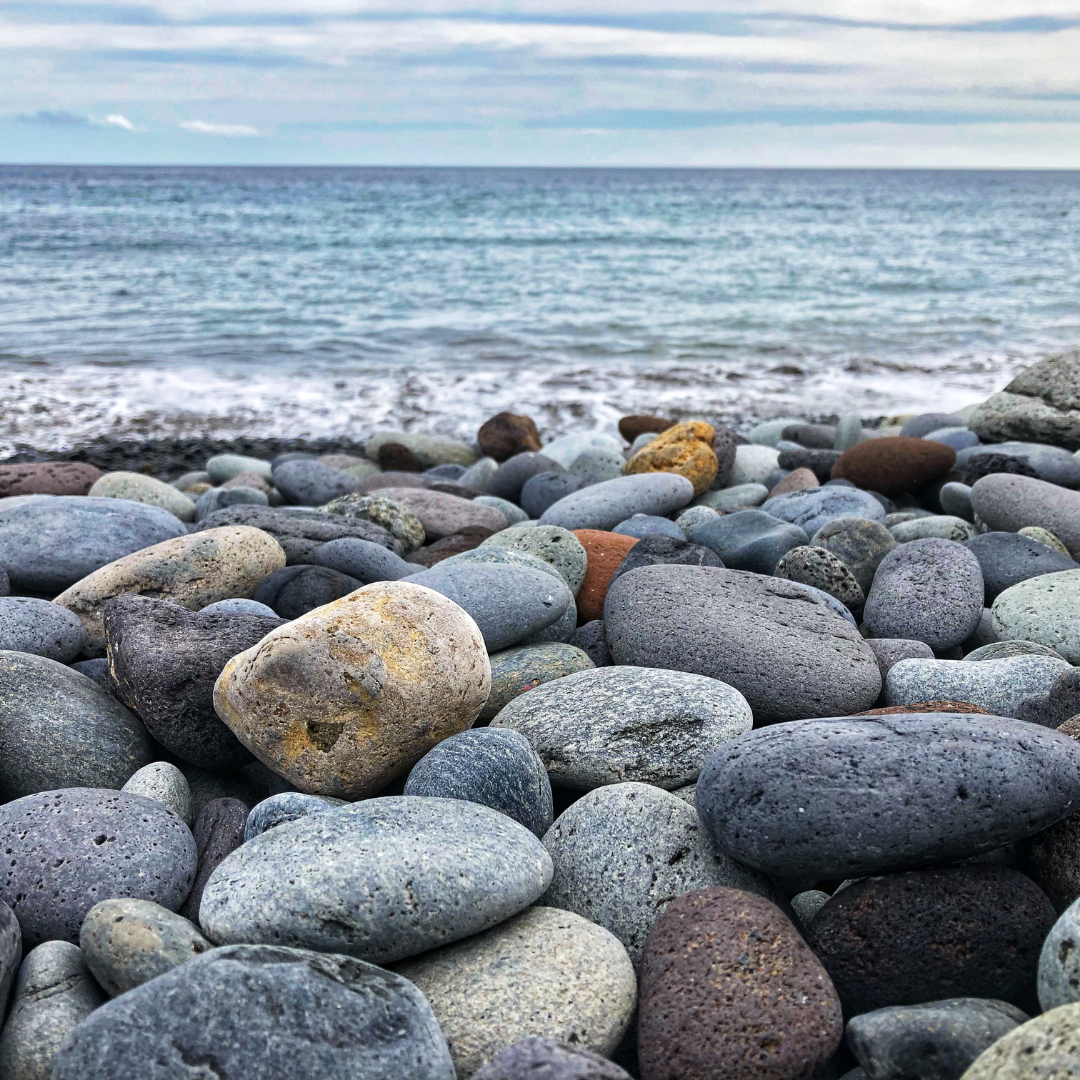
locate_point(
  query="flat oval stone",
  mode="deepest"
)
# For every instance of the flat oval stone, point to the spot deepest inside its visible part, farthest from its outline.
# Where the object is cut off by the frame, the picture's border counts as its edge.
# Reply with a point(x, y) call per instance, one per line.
point(547, 488)
point(40, 627)
point(957, 931)
point(748, 539)
point(1002, 650)
point(1009, 503)
point(1008, 558)
point(380, 880)
point(548, 1059)
point(789, 655)
point(813, 509)
point(894, 465)
point(955, 499)
point(804, 800)
point(860, 544)
point(259, 1010)
point(510, 477)
point(642, 525)
point(308, 482)
point(218, 831)
point(444, 515)
point(223, 467)
point(66, 850)
point(362, 560)
point(293, 591)
point(1045, 1047)
point(516, 671)
point(60, 729)
point(721, 967)
point(1042, 609)
point(136, 487)
point(610, 724)
point(602, 506)
point(934, 527)
point(623, 852)
point(283, 807)
point(47, 478)
point(742, 497)
point(545, 972)
point(164, 782)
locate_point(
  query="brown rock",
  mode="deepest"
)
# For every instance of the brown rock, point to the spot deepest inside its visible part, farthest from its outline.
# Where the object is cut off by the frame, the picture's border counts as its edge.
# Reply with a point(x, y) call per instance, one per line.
point(796, 480)
point(507, 434)
point(686, 449)
point(1071, 727)
point(728, 989)
point(893, 465)
point(470, 537)
point(47, 478)
point(396, 457)
point(630, 427)
point(603, 551)
point(218, 831)
point(926, 706)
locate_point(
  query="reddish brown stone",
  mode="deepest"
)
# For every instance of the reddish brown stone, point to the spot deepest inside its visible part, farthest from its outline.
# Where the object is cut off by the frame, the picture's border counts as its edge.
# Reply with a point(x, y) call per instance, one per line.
point(604, 551)
point(926, 706)
point(507, 434)
point(894, 465)
point(630, 427)
point(47, 478)
point(395, 456)
point(472, 536)
point(796, 480)
point(728, 989)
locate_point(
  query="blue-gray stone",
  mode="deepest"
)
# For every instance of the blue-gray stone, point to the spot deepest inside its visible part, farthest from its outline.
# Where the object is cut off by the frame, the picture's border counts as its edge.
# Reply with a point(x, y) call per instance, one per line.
point(513, 513)
point(97, 670)
point(450, 471)
point(1049, 463)
point(477, 475)
point(546, 489)
point(557, 546)
point(890, 651)
point(293, 591)
point(920, 426)
point(959, 438)
point(510, 477)
point(238, 606)
point(955, 499)
point(666, 551)
point(748, 539)
point(1002, 650)
point(40, 627)
point(381, 879)
point(518, 670)
point(224, 467)
point(1008, 558)
point(362, 560)
point(604, 505)
point(597, 465)
point(489, 766)
point(742, 497)
point(219, 498)
point(285, 806)
point(642, 525)
point(307, 482)
point(591, 640)
point(812, 509)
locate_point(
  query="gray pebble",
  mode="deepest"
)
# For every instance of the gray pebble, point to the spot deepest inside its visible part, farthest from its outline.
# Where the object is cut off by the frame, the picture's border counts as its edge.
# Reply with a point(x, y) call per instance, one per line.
point(890, 651)
point(286, 806)
point(641, 525)
point(518, 670)
point(546, 489)
point(513, 513)
point(955, 499)
point(940, 526)
point(812, 509)
point(165, 783)
point(602, 506)
point(592, 640)
point(597, 465)
point(748, 540)
point(307, 482)
point(239, 606)
point(820, 568)
point(510, 477)
point(1007, 558)
point(557, 546)
point(849, 431)
point(860, 544)
point(218, 831)
point(40, 627)
point(224, 467)
point(477, 475)
point(362, 560)
point(807, 904)
point(742, 497)
point(665, 551)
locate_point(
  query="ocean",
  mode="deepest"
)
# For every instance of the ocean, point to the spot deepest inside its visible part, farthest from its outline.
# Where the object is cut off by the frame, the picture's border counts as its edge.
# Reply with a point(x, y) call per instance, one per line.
point(333, 301)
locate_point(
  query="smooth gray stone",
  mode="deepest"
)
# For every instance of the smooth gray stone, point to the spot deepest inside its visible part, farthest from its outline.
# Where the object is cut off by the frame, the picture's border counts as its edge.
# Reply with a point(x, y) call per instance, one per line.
point(1042, 609)
point(918, 427)
point(1010, 503)
point(598, 464)
point(512, 512)
point(525, 667)
point(293, 591)
point(40, 627)
point(568, 448)
point(642, 525)
point(547, 488)
point(860, 544)
point(508, 603)
point(538, 1058)
point(604, 505)
point(935, 1041)
point(934, 527)
point(1050, 463)
point(742, 497)
point(849, 432)
point(955, 499)
point(890, 651)
point(239, 606)
point(591, 638)
point(286, 806)
point(308, 482)
point(998, 686)
point(665, 551)
point(1007, 558)
point(53, 993)
point(491, 767)
point(66, 850)
point(381, 879)
point(807, 904)
point(477, 475)
point(812, 509)
point(1059, 961)
point(786, 652)
point(219, 498)
point(260, 1011)
point(984, 633)
point(1002, 650)
point(510, 477)
point(850, 796)
point(623, 852)
point(768, 432)
point(48, 542)
point(558, 633)
point(224, 467)
point(812, 436)
point(129, 942)
point(59, 729)
point(190, 479)
point(556, 546)
point(611, 724)
point(96, 670)
point(10, 954)
point(450, 471)
point(362, 560)
point(164, 782)
point(959, 438)
point(748, 540)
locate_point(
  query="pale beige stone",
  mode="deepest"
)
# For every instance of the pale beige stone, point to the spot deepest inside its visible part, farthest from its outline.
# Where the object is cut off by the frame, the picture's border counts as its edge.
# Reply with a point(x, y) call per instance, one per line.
point(1046, 1048)
point(135, 487)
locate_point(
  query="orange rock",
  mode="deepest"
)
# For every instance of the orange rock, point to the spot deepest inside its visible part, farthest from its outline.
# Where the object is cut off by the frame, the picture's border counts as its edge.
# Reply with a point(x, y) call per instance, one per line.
point(604, 551)
point(796, 480)
point(686, 449)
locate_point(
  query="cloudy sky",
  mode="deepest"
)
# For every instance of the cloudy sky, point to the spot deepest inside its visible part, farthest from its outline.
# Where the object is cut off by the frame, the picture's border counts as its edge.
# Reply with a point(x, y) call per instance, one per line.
point(943, 83)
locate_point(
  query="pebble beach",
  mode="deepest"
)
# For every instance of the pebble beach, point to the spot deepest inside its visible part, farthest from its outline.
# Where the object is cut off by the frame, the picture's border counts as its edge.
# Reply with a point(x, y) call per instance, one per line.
point(670, 749)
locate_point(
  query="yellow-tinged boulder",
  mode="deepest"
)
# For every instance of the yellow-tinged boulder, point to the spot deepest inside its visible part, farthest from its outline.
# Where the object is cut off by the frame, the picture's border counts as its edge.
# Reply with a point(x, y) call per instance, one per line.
point(686, 449)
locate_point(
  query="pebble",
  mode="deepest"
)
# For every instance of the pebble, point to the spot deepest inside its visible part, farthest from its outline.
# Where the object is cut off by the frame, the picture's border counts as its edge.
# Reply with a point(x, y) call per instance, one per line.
point(1008, 558)
point(215, 499)
point(769, 432)
point(595, 466)
point(518, 670)
point(477, 475)
point(546, 972)
point(591, 639)
point(293, 591)
point(135, 487)
point(546, 489)
point(807, 904)
point(1046, 1047)
point(814, 436)
point(1008, 503)
point(955, 499)
point(224, 467)
point(380, 880)
point(631, 428)
point(890, 651)
point(918, 427)
point(894, 465)
point(859, 543)
point(796, 480)
point(1050, 463)
point(510, 477)
point(665, 551)
point(511, 511)
point(557, 546)
point(753, 463)
point(602, 506)
point(818, 462)
point(959, 438)
point(165, 783)
point(684, 449)
point(218, 831)
point(566, 449)
point(40, 627)
point(610, 724)
point(398, 521)
point(1042, 609)
point(750, 540)
point(742, 497)
point(444, 515)
point(821, 569)
point(47, 478)
point(283, 807)
point(642, 525)
point(506, 434)
point(548, 1059)
point(1042, 536)
point(362, 560)
point(812, 509)
point(936, 526)
point(604, 554)
point(345, 698)
point(429, 450)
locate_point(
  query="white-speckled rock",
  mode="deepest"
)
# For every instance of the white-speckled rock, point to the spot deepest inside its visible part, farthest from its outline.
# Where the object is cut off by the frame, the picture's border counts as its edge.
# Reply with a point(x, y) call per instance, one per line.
point(1042, 609)
point(164, 782)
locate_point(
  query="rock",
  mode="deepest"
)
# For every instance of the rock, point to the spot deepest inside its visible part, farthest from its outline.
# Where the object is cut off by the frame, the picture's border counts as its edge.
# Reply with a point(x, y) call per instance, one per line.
point(380, 880)
point(1002, 650)
point(927, 590)
point(955, 500)
point(630, 427)
point(665, 551)
point(507, 434)
point(820, 568)
point(258, 483)
point(812, 436)
point(163, 663)
point(60, 729)
point(362, 560)
point(959, 438)
point(135, 487)
point(249, 785)
point(293, 591)
point(353, 694)
point(260, 1010)
point(10, 954)
point(918, 427)
point(684, 449)
point(545, 972)
point(214, 499)
point(191, 571)
point(546, 489)
point(478, 474)
point(398, 521)
point(813, 509)
point(510, 477)
point(890, 651)
point(819, 462)
point(849, 431)
point(807, 904)
point(53, 993)
point(218, 831)
point(800, 479)
point(494, 768)
point(394, 456)
point(129, 942)
point(769, 432)
point(1059, 969)
point(937, 1040)
point(444, 515)
point(429, 450)
point(307, 482)
point(1042, 536)
point(66, 850)
point(1045, 1047)
point(49, 542)
point(469, 539)
point(1009, 503)
point(1049, 463)
point(623, 852)
point(604, 505)
point(513, 513)
point(283, 807)
point(47, 478)
point(595, 466)
point(894, 465)
point(743, 497)
point(748, 539)
point(224, 467)
point(1042, 609)
point(591, 638)
point(942, 706)
point(788, 655)
point(958, 931)
point(642, 525)
point(722, 968)
point(164, 783)
point(556, 546)
point(1007, 558)
point(934, 527)
point(565, 449)
point(955, 785)
point(859, 543)
point(516, 671)
point(40, 627)
point(548, 1059)
point(752, 464)
point(604, 553)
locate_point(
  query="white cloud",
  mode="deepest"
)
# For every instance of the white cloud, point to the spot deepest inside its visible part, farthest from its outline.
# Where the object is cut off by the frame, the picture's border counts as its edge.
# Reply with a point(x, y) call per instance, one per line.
point(116, 120)
point(202, 127)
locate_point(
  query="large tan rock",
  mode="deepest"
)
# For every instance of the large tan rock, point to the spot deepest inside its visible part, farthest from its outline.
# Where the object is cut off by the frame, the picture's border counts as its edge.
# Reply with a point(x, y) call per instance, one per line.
point(686, 449)
point(353, 694)
point(191, 571)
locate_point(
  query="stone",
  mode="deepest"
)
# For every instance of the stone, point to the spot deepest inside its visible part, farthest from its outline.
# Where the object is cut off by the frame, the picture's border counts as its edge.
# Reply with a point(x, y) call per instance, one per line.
point(66, 850)
point(308, 482)
point(10, 954)
point(812, 509)
point(546, 489)
point(164, 783)
point(444, 515)
point(565, 449)
point(956, 931)
point(955, 501)
point(807, 904)
point(610, 724)
point(959, 438)
point(429, 450)
point(595, 466)
point(557, 546)
point(642, 525)
point(191, 571)
point(1007, 558)
point(743, 497)
point(50, 542)
point(478, 474)
point(748, 539)
point(859, 543)
point(604, 505)
point(47, 478)
point(1042, 609)
point(163, 663)
point(362, 560)
point(800, 479)
point(380, 880)
point(489, 766)
point(956, 785)
point(293, 591)
point(545, 972)
point(218, 831)
point(60, 729)
point(934, 527)
point(469, 539)
point(728, 987)
point(894, 465)
point(604, 553)
point(518, 670)
point(510, 477)
point(135, 487)
point(511, 511)
point(926, 590)
point(283, 807)
point(623, 852)
point(788, 654)
point(820, 568)
point(393, 456)
point(214, 499)
point(1045, 1048)
point(988, 462)
point(397, 520)
point(819, 462)
point(752, 464)
point(248, 786)
point(769, 432)
point(684, 449)
point(890, 651)
point(40, 627)
point(630, 427)
point(548, 1059)
point(53, 993)
point(918, 427)
point(812, 436)
point(1059, 969)
point(262, 1010)
point(1045, 537)
point(256, 482)
point(507, 434)
point(346, 698)
point(1008, 503)
point(591, 638)
point(224, 467)
point(665, 551)
point(1049, 463)
point(1002, 650)
point(849, 431)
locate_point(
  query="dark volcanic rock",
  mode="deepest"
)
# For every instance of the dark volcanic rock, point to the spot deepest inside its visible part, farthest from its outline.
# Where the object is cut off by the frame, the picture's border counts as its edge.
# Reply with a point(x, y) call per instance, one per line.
point(630, 427)
point(295, 590)
point(860, 544)
point(507, 434)
point(308, 482)
point(396, 457)
point(10, 953)
point(511, 476)
point(537, 1058)
point(218, 831)
point(748, 539)
point(591, 639)
point(819, 462)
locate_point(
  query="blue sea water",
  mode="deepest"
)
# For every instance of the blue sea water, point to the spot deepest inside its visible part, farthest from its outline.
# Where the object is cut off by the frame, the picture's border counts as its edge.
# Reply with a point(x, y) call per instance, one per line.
point(332, 301)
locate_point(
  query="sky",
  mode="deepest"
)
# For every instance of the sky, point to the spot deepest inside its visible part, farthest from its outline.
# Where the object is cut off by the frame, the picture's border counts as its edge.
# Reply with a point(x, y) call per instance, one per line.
point(791, 83)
